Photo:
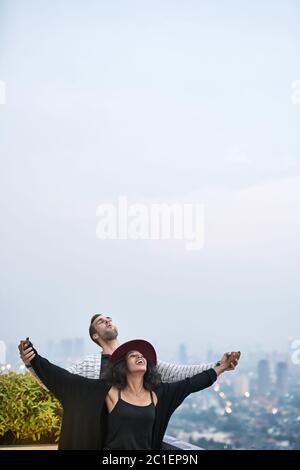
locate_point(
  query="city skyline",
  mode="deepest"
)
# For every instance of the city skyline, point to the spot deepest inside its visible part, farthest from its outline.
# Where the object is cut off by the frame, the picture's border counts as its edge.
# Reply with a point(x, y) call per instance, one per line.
point(72, 349)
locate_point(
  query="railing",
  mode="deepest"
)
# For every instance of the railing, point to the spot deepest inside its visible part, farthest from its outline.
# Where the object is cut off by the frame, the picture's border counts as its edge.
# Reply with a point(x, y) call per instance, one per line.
point(171, 443)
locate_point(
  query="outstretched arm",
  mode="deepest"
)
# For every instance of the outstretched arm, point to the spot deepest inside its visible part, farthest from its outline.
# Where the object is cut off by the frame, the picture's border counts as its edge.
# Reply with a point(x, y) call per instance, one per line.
point(57, 380)
point(176, 372)
point(90, 367)
point(176, 392)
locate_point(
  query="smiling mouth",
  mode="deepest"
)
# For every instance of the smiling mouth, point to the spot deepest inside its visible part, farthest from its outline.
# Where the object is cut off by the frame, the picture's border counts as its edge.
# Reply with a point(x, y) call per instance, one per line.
point(140, 361)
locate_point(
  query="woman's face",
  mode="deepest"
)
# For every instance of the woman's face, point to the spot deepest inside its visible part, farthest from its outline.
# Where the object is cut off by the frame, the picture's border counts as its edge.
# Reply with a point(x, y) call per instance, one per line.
point(136, 362)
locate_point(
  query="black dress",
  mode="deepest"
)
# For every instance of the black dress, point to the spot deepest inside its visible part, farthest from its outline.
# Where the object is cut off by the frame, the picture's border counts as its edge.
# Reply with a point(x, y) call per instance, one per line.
point(130, 426)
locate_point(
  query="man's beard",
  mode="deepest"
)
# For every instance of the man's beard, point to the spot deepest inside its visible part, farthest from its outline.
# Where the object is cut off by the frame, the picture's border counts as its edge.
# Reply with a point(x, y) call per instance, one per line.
point(110, 334)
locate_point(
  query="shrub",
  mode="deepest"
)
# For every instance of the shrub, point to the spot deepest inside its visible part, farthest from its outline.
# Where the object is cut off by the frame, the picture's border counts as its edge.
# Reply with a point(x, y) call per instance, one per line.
point(28, 413)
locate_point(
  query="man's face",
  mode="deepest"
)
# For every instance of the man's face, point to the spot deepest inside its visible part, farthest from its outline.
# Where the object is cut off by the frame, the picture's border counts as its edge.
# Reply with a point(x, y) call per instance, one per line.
point(136, 362)
point(104, 329)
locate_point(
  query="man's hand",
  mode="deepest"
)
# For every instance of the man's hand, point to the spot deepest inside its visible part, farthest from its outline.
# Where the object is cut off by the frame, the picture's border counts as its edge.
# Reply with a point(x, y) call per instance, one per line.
point(26, 352)
point(229, 361)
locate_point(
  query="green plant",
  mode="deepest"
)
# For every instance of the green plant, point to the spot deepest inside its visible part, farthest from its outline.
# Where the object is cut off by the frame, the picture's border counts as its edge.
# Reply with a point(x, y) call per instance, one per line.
point(28, 413)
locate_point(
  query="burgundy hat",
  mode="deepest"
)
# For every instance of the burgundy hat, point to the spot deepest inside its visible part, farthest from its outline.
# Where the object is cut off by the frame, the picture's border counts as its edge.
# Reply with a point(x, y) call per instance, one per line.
point(139, 345)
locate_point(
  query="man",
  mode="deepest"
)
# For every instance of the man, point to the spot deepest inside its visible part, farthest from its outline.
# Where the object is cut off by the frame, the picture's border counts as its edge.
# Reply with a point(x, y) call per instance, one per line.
point(104, 333)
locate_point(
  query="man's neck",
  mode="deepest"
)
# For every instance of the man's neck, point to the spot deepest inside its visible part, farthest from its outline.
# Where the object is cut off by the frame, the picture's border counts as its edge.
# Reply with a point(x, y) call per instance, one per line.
point(110, 346)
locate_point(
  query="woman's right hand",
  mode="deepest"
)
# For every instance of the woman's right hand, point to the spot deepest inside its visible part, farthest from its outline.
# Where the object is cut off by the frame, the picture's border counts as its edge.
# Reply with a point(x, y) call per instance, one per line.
point(26, 352)
point(228, 363)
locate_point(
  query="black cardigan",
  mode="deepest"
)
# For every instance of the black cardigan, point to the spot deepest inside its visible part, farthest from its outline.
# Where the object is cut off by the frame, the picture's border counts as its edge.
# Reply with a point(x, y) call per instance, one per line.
point(84, 407)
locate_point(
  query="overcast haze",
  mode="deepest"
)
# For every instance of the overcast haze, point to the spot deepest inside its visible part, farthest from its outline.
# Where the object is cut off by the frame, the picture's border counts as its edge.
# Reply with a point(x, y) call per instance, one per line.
point(158, 101)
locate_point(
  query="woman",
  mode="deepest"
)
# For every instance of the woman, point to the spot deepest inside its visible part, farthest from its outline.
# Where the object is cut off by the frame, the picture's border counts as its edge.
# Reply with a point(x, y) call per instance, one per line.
point(129, 409)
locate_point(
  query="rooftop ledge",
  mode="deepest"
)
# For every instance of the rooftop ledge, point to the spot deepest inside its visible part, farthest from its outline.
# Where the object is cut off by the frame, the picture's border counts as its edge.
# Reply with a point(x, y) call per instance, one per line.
point(170, 443)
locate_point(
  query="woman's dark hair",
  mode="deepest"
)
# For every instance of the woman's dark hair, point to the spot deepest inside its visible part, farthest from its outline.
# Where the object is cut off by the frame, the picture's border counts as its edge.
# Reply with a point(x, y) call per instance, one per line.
point(115, 376)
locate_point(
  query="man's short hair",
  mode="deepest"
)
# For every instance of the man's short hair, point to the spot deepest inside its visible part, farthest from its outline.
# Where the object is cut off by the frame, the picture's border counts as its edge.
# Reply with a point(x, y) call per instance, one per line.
point(92, 329)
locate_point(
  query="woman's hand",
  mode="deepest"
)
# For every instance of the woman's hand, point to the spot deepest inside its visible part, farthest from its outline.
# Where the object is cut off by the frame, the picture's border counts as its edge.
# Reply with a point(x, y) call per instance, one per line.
point(26, 352)
point(235, 354)
point(229, 361)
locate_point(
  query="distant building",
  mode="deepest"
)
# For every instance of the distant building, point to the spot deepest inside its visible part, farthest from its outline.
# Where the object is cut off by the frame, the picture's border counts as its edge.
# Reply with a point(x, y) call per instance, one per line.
point(65, 348)
point(2, 352)
point(69, 350)
point(182, 355)
point(263, 377)
point(13, 355)
point(281, 378)
point(50, 350)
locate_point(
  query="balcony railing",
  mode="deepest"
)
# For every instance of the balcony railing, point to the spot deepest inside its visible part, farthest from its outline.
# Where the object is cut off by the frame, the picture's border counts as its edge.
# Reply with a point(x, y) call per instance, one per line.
point(172, 443)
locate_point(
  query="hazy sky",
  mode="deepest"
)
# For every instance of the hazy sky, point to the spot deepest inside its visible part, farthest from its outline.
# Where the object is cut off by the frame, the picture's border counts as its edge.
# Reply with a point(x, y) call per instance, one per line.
point(159, 101)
